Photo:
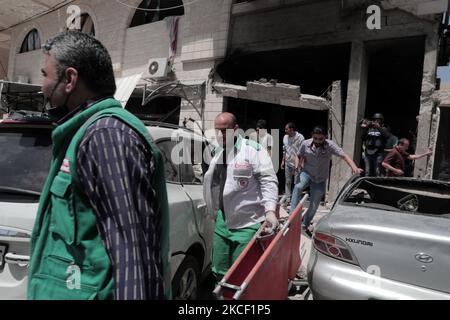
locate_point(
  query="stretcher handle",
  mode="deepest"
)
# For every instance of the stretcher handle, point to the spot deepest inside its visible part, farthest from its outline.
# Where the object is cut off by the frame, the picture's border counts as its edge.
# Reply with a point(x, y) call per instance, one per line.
point(285, 227)
point(305, 197)
point(261, 234)
point(229, 286)
point(302, 201)
point(222, 284)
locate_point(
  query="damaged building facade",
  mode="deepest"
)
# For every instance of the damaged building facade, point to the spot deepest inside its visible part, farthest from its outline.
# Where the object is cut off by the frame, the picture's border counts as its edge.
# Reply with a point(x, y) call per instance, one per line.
point(307, 61)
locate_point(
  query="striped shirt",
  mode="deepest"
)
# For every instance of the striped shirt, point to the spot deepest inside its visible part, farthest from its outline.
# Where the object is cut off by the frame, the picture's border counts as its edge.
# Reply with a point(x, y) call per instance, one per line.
point(115, 169)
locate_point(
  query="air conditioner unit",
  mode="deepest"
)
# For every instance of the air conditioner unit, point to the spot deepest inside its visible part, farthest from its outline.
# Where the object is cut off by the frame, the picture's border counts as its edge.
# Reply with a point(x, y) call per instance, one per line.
point(157, 68)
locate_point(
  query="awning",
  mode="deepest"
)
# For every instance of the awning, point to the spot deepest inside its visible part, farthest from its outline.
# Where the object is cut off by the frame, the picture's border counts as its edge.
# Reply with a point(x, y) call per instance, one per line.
point(17, 87)
point(125, 87)
point(187, 89)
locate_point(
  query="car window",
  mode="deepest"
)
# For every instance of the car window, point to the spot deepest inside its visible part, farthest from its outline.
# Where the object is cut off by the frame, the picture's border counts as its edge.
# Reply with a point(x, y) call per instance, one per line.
point(196, 161)
point(171, 170)
point(207, 156)
point(25, 156)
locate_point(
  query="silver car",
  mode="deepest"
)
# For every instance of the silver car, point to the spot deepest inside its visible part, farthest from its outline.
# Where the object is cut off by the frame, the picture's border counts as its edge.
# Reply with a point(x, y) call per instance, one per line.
point(25, 154)
point(384, 238)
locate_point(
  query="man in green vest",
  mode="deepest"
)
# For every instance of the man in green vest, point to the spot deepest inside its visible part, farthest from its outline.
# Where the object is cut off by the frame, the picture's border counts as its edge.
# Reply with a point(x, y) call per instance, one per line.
point(101, 230)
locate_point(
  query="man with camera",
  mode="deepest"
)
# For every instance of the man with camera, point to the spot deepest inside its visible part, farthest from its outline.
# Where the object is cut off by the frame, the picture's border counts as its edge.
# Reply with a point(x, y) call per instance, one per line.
point(374, 139)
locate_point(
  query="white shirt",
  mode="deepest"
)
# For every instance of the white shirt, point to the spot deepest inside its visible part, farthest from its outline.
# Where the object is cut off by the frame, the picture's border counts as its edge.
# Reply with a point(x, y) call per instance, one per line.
point(265, 139)
point(291, 147)
point(251, 186)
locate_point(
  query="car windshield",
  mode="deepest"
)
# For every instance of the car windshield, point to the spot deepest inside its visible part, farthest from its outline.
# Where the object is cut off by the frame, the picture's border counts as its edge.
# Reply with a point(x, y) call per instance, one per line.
point(25, 155)
point(421, 197)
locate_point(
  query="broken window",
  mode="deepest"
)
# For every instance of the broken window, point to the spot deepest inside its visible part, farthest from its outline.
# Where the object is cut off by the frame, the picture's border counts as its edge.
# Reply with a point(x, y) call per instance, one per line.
point(31, 42)
point(156, 10)
point(408, 196)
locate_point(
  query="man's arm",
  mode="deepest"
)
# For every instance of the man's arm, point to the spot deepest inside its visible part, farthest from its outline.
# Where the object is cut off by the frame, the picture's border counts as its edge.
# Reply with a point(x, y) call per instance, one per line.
point(268, 181)
point(418, 156)
point(364, 129)
point(337, 151)
point(384, 131)
point(269, 144)
point(387, 166)
point(285, 141)
point(351, 164)
point(115, 170)
point(299, 162)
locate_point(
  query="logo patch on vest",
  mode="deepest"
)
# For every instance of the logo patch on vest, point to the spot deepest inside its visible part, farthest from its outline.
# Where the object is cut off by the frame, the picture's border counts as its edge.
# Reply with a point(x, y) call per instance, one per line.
point(243, 183)
point(242, 173)
point(65, 167)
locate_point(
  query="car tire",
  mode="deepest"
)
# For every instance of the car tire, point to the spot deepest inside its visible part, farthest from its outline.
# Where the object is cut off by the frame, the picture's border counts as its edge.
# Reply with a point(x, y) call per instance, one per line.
point(185, 283)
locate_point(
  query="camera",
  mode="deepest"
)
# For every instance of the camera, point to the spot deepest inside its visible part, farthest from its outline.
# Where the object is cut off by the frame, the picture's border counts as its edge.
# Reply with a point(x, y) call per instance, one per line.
point(366, 123)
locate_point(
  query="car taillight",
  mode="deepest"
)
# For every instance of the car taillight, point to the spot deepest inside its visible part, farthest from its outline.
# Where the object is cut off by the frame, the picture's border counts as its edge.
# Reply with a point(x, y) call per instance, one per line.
point(333, 247)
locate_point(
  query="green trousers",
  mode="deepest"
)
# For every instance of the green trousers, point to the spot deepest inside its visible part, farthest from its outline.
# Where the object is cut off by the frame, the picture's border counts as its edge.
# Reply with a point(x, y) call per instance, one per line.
point(228, 245)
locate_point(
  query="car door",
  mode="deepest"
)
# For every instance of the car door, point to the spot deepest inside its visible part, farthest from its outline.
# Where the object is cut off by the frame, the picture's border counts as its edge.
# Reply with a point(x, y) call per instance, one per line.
point(183, 227)
point(25, 155)
point(196, 154)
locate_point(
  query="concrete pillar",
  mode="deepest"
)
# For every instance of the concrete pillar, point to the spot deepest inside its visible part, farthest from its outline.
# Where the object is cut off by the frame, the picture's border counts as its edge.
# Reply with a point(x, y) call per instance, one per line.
point(425, 138)
point(355, 105)
point(4, 56)
point(337, 128)
point(435, 128)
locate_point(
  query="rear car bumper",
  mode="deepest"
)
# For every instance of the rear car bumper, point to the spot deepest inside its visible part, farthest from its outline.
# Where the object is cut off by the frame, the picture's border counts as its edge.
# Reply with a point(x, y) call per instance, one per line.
point(330, 278)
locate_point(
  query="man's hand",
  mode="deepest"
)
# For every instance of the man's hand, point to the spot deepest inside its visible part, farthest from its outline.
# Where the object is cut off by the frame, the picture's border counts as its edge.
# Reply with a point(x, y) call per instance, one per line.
point(398, 172)
point(282, 165)
point(356, 170)
point(352, 164)
point(272, 222)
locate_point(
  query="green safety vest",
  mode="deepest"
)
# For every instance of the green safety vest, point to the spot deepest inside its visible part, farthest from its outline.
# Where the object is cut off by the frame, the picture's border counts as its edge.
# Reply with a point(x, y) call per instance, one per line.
point(67, 257)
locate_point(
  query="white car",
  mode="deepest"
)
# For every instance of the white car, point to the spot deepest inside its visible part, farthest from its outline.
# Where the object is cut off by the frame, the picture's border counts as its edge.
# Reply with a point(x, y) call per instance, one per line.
point(385, 238)
point(25, 153)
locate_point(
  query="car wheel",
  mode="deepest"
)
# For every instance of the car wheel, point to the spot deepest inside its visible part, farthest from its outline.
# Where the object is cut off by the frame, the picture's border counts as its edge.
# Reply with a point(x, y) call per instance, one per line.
point(185, 282)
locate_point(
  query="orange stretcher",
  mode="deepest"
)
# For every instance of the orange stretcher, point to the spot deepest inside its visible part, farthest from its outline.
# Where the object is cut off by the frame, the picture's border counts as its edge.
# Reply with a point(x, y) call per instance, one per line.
point(264, 270)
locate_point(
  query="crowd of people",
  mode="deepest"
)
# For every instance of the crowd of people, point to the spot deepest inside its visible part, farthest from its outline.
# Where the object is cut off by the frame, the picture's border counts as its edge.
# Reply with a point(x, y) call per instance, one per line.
point(105, 163)
point(306, 162)
point(384, 154)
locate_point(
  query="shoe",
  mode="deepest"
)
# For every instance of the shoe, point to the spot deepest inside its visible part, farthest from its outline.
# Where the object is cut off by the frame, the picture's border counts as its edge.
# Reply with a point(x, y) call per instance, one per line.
point(306, 231)
point(301, 274)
